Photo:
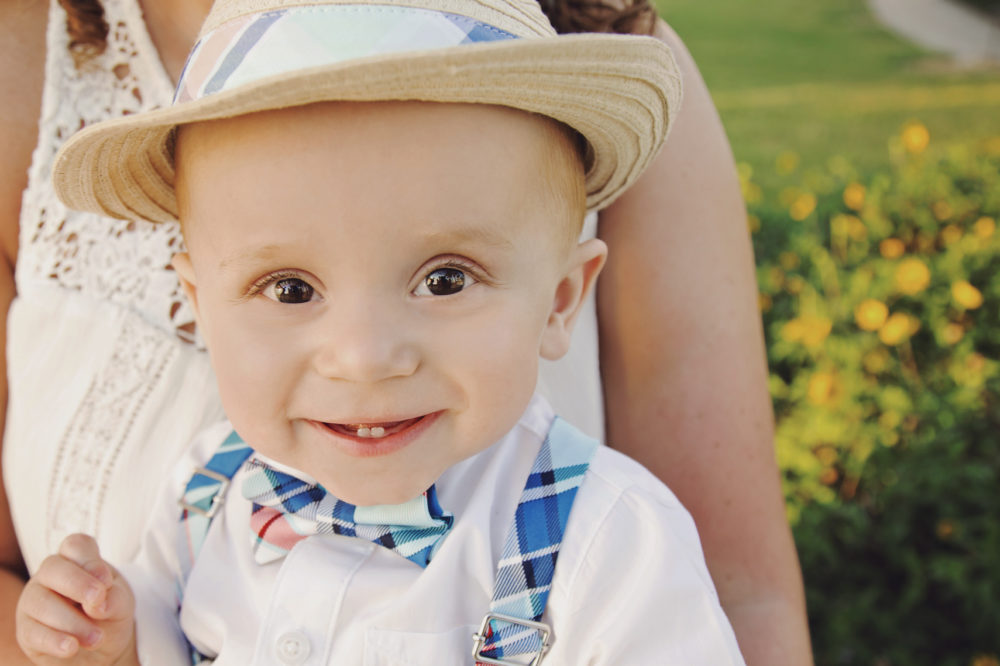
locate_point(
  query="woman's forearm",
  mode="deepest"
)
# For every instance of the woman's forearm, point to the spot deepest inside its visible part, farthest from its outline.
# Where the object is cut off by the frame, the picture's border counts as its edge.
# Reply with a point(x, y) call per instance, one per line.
point(685, 376)
point(11, 585)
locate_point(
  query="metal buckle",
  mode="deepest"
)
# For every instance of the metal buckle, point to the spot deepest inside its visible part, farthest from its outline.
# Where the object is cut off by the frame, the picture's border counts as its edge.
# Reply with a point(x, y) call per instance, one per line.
point(479, 640)
point(217, 498)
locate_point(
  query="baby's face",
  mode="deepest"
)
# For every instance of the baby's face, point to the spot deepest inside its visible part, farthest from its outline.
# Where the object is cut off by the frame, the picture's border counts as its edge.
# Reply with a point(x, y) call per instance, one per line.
point(375, 283)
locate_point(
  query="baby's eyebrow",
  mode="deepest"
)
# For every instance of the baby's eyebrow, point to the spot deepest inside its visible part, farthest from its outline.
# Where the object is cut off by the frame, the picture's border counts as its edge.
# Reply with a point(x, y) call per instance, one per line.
point(255, 256)
point(473, 234)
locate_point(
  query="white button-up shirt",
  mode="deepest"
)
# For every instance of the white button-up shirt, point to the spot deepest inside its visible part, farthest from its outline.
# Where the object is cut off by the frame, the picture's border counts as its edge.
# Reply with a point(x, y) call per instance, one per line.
point(631, 586)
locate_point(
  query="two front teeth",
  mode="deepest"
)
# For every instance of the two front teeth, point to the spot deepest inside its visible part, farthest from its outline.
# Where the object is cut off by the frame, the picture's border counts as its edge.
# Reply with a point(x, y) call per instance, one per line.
point(372, 431)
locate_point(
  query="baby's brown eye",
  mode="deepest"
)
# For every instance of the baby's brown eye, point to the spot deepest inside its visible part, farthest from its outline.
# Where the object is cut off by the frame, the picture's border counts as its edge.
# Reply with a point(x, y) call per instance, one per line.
point(292, 290)
point(445, 281)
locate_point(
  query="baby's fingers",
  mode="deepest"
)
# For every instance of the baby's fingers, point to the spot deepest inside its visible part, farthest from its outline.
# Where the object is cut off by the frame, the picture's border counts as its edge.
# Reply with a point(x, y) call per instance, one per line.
point(118, 604)
point(83, 550)
point(72, 581)
point(49, 624)
point(37, 640)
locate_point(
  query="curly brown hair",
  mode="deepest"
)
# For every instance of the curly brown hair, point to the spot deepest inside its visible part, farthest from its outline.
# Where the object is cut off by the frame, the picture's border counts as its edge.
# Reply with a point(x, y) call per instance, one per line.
point(625, 17)
point(88, 31)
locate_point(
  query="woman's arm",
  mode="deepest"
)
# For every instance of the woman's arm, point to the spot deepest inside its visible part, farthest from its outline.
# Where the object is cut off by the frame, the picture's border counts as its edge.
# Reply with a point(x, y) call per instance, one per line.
point(22, 62)
point(685, 375)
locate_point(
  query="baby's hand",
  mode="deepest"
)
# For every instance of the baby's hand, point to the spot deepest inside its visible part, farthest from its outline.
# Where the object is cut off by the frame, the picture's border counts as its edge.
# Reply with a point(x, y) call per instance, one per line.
point(77, 609)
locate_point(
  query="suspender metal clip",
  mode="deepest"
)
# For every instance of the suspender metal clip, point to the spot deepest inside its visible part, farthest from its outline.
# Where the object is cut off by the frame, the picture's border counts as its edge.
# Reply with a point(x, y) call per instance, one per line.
point(217, 498)
point(479, 640)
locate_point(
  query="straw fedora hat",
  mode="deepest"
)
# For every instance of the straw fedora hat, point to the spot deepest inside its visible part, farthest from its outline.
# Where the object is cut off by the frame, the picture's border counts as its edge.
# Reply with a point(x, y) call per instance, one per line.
point(619, 92)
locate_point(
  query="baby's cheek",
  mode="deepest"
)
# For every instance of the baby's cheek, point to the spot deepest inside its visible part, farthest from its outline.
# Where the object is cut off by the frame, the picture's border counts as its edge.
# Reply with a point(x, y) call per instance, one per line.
point(253, 377)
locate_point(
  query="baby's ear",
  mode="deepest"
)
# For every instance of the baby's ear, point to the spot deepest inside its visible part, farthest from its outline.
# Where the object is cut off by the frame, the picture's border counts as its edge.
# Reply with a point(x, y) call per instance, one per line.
point(185, 272)
point(585, 264)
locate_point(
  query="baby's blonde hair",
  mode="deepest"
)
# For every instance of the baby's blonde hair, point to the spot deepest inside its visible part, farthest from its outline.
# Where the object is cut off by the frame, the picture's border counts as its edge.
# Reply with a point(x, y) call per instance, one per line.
point(564, 177)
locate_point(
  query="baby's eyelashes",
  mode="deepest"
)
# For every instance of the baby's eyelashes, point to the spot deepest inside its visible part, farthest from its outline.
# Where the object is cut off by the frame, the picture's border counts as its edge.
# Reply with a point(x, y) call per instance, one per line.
point(444, 281)
point(287, 287)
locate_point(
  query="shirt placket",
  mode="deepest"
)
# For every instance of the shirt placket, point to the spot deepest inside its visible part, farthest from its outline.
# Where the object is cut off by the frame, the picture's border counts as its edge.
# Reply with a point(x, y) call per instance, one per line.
point(307, 599)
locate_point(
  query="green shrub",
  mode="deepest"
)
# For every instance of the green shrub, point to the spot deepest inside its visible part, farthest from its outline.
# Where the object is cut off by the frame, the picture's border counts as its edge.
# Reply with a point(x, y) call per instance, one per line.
point(881, 302)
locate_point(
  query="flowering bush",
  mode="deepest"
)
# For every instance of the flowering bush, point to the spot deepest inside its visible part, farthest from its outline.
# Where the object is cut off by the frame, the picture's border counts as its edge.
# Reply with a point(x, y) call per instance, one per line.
point(881, 303)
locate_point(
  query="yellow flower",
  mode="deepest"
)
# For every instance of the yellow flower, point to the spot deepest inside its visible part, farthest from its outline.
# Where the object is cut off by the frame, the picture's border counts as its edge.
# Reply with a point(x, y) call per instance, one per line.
point(890, 419)
point(788, 260)
point(870, 314)
point(945, 529)
point(856, 228)
point(753, 223)
point(810, 331)
point(752, 193)
point(793, 330)
point(802, 207)
point(912, 276)
point(951, 234)
point(966, 295)
point(898, 328)
point(822, 387)
point(985, 660)
point(795, 284)
point(915, 137)
point(829, 476)
point(776, 276)
point(787, 162)
point(952, 333)
point(826, 455)
point(984, 227)
point(891, 248)
point(854, 196)
point(942, 210)
point(764, 302)
point(817, 328)
point(876, 361)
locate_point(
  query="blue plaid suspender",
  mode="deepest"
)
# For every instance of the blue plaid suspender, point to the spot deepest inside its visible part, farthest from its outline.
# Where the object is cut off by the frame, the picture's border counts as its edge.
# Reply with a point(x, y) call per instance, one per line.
point(513, 625)
point(202, 499)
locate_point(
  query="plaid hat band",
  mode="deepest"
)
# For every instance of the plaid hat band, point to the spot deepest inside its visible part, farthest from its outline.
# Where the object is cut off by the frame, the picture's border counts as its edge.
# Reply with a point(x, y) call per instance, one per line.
point(253, 47)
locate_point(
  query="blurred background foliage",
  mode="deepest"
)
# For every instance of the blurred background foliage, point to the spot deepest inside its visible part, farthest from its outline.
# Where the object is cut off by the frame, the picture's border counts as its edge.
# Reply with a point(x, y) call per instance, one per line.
point(871, 171)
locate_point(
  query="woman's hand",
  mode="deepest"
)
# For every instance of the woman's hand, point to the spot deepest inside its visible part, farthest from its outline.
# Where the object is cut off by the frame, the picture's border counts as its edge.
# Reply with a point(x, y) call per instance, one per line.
point(77, 609)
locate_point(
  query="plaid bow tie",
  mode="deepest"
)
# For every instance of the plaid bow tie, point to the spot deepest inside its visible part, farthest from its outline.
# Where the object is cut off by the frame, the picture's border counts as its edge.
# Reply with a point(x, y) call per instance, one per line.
point(286, 510)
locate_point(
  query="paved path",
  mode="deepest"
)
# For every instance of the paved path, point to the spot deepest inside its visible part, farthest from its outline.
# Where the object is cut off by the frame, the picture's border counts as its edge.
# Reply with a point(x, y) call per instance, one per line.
point(942, 25)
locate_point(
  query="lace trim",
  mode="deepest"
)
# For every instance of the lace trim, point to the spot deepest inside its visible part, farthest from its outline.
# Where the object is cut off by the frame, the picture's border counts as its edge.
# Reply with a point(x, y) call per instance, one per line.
point(127, 263)
point(88, 454)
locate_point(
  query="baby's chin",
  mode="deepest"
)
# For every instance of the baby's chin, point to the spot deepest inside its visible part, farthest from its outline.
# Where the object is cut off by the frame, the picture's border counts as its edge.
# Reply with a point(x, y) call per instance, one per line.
point(379, 493)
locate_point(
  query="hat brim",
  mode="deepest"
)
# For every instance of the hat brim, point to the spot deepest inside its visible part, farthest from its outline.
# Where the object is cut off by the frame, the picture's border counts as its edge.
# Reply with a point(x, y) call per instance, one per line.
point(619, 92)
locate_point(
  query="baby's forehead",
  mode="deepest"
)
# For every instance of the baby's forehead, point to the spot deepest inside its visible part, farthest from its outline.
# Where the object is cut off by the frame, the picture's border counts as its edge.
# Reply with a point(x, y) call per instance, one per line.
point(414, 150)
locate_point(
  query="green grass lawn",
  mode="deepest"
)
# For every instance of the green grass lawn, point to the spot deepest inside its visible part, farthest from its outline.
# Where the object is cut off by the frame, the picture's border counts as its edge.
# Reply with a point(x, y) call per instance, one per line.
point(822, 79)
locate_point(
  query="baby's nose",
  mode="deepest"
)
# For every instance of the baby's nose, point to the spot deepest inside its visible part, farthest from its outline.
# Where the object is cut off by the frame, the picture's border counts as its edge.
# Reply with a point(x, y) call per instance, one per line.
point(366, 346)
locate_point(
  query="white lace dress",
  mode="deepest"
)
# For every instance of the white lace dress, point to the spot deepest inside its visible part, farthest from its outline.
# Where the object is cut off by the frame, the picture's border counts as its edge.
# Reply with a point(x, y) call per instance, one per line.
point(105, 391)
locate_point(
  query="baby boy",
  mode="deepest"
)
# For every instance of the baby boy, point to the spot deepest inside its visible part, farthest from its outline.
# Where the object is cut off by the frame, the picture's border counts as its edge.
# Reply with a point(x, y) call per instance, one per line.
point(380, 248)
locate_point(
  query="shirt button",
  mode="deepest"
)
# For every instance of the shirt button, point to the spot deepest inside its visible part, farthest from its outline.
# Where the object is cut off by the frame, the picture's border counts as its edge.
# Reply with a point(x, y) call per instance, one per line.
point(293, 647)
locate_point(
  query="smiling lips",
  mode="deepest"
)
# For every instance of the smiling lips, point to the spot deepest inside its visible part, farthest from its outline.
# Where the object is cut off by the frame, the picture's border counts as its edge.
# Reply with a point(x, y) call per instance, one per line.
point(375, 430)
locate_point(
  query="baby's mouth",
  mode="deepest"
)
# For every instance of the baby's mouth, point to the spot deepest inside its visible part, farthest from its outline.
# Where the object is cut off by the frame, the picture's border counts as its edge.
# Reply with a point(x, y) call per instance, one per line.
point(372, 430)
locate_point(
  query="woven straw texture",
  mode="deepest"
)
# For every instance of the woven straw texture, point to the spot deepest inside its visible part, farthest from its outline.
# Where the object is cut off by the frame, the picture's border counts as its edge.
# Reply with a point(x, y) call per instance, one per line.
point(620, 93)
